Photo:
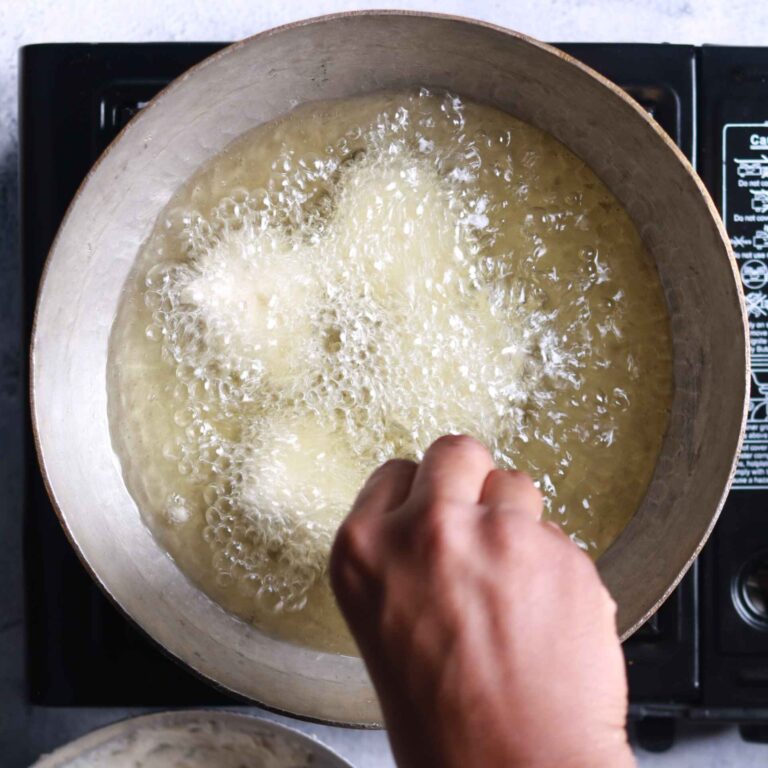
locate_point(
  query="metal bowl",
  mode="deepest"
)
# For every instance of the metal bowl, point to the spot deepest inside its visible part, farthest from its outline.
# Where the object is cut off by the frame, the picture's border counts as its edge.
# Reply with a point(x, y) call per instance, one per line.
point(205, 734)
point(340, 56)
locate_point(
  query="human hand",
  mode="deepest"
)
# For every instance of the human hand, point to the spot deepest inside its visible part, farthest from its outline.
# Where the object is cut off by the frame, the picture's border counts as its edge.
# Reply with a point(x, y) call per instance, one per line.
point(488, 635)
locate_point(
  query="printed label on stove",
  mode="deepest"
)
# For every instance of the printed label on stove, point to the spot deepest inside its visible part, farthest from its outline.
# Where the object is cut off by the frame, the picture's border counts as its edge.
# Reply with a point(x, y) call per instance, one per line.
point(745, 212)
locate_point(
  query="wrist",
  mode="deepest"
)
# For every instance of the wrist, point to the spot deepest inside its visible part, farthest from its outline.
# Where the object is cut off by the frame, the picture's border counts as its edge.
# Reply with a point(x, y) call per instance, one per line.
point(595, 755)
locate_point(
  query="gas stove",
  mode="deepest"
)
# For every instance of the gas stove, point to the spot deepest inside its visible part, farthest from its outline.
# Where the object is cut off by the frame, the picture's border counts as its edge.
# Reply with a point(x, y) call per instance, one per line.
point(704, 655)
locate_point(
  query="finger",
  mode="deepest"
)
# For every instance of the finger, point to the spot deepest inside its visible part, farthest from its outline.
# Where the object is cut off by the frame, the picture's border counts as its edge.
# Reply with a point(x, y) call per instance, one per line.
point(552, 525)
point(357, 547)
point(386, 489)
point(510, 489)
point(454, 468)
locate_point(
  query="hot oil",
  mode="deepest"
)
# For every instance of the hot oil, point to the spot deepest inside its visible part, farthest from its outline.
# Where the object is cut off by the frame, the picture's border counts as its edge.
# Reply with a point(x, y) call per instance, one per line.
point(343, 286)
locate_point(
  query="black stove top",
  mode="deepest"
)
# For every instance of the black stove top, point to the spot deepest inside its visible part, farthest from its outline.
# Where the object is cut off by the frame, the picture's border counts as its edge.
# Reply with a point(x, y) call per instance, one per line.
point(703, 655)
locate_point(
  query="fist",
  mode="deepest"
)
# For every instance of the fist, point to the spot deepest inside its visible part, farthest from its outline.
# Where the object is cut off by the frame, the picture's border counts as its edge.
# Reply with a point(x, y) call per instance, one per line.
point(487, 633)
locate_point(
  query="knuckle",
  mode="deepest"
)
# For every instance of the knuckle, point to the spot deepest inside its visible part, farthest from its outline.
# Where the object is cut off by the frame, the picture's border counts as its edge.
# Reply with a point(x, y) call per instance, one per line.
point(502, 525)
point(555, 528)
point(523, 479)
point(527, 484)
point(606, 599)
point(346, 539)
point(393, 466)
point(397, 464)
point(581, 567)
point(525, 488)
point(513, 488)
point(345, 580)
point(510, 533)
point(439, 534)
point(464, 443)
point(351, 572)
point(351, 546)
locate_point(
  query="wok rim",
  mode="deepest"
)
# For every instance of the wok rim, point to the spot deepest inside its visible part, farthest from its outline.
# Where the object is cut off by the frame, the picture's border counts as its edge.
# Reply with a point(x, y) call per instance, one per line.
point(322, 19)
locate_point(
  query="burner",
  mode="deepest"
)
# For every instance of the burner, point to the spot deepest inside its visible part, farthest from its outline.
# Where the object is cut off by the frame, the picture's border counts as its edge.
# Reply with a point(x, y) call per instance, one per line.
point(704, 654)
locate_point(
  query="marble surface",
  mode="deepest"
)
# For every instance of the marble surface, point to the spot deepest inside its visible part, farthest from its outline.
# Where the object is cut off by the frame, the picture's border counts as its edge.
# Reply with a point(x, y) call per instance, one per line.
point(26, 731)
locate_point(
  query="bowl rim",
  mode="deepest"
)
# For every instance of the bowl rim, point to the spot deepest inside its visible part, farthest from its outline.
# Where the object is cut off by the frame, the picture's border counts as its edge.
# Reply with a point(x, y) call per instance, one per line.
point(63, 755)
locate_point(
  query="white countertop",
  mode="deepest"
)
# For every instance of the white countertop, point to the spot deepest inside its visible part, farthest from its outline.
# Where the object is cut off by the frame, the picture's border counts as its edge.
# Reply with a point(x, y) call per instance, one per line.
point(738, 22)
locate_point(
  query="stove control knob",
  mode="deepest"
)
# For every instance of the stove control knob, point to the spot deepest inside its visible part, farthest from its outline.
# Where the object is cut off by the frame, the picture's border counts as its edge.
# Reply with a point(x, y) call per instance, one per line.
point(751, 592)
